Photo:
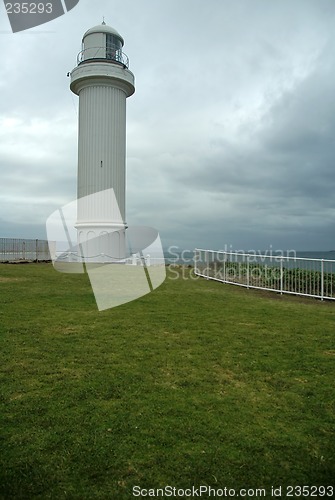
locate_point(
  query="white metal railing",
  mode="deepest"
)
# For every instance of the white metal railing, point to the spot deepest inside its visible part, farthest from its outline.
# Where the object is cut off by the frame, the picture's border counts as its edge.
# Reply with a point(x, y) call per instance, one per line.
point(278, 273)
point(16, 249)
point(109, 54)
point(133, 260)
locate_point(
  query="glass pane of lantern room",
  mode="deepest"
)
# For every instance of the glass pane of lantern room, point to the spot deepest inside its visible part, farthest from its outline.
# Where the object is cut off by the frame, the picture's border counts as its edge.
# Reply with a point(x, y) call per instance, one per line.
point(113, 45)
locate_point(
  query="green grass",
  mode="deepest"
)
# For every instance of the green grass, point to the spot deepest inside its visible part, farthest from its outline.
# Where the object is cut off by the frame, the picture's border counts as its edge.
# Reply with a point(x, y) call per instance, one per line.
point(198, 383)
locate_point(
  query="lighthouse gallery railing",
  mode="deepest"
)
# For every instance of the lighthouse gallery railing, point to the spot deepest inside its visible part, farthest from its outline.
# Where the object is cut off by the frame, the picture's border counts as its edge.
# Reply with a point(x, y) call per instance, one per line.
point(107, 54)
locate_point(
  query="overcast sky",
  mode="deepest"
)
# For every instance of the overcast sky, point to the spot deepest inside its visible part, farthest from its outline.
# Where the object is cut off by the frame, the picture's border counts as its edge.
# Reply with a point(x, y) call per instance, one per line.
point(230, 133)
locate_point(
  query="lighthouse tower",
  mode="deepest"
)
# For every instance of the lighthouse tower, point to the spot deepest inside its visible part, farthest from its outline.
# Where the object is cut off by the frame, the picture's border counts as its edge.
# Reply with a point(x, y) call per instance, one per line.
point(102, 81)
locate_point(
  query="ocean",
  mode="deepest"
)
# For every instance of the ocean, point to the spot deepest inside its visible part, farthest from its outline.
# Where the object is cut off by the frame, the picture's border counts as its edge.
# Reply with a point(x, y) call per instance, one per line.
point(186, 256)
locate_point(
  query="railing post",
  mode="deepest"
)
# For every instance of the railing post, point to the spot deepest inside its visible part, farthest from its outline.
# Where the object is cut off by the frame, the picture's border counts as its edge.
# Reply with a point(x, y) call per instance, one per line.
point(195, 259)
point(36, 250)
point(322, 278)
point(207, 268)
point(281, 275)
point(224, 267)
point(248, 271)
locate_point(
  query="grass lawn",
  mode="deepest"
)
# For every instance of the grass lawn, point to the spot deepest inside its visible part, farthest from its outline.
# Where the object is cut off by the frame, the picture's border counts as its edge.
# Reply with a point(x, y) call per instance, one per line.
point(198, 383)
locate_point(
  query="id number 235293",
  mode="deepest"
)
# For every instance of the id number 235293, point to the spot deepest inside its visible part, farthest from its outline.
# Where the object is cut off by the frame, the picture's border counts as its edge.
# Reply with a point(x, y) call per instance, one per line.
point(28, 8)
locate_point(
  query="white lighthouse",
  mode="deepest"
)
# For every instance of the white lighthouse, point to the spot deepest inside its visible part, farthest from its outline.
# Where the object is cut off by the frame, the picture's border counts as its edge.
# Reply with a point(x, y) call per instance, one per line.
point(91, 230)
point(102, 81)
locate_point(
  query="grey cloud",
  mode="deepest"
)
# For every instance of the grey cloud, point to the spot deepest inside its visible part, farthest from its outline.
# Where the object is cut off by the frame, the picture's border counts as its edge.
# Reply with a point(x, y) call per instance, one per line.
point(230, 131)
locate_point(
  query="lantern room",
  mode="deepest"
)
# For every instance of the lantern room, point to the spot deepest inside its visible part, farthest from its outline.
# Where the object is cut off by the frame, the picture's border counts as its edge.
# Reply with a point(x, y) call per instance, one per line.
point(103, 43)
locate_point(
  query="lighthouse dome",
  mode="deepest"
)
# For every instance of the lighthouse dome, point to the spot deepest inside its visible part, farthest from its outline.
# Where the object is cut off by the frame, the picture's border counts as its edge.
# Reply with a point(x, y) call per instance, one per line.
point(103, 28)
